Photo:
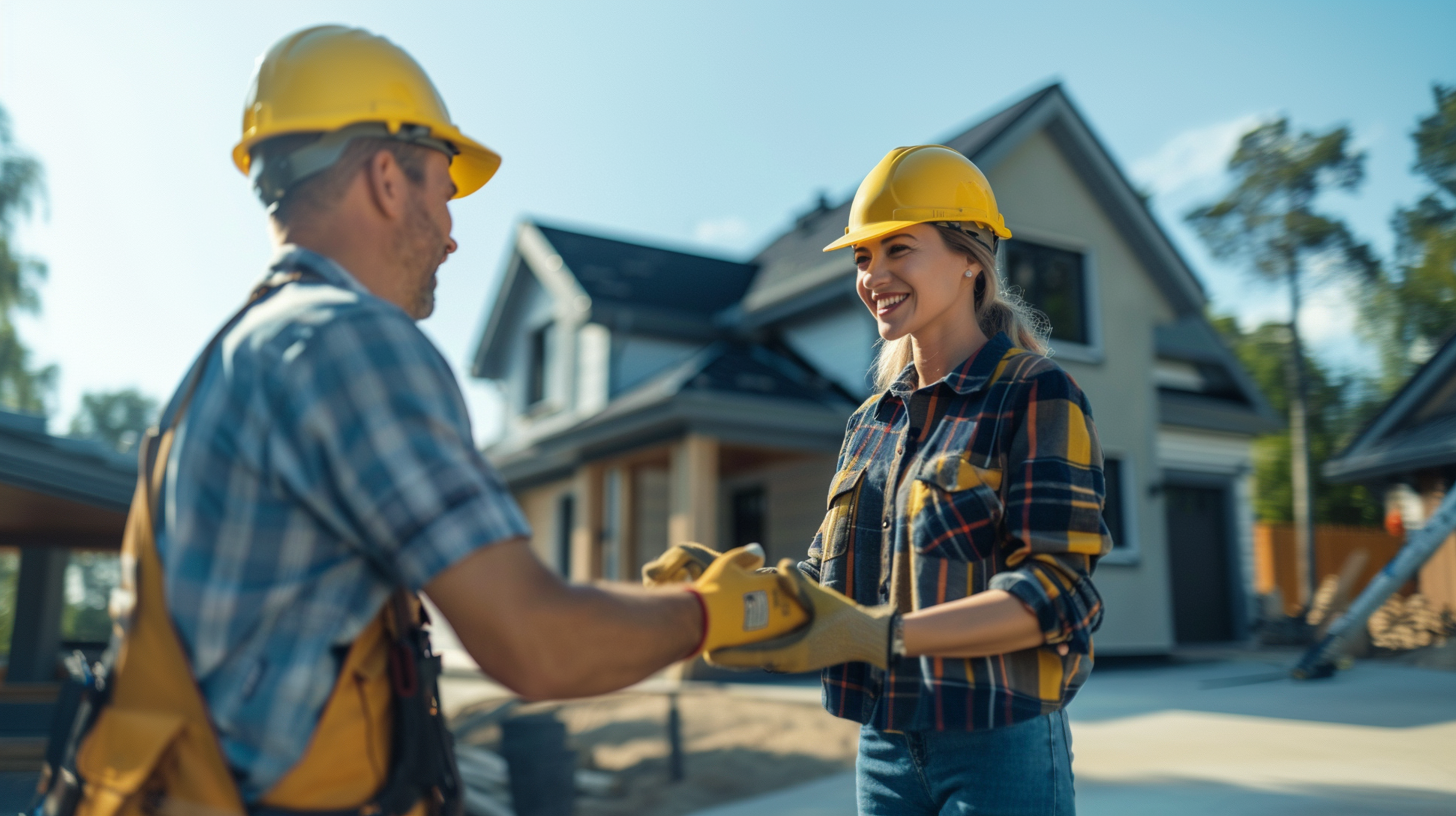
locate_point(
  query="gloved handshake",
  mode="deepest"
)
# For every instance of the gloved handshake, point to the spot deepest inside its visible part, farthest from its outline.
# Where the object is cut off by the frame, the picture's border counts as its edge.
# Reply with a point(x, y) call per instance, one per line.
point(815, 627)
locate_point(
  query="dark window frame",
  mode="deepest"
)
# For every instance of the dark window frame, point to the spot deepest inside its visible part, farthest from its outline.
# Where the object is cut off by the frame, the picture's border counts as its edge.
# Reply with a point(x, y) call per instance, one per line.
point(538, 365)
point(748, 515)
point(1027, 264)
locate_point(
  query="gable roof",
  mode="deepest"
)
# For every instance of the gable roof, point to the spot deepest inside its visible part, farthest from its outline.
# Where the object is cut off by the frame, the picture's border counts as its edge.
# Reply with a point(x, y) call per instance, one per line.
point(1415, 430)
point(618, 274)
point(794, 268)
point(618, 283)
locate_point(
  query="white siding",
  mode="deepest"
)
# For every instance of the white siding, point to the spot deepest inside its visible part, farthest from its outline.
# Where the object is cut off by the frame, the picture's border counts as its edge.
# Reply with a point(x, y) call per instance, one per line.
point(839, 343)
point(593, 343)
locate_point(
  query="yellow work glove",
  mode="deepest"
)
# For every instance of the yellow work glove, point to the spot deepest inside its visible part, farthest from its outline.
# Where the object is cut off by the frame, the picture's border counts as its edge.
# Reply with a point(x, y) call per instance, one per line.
point(841, 631)
point(743, 606)
point(687, 562)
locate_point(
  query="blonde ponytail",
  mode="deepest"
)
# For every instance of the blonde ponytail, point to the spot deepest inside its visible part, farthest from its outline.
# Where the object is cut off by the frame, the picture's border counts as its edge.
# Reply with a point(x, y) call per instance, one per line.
point(998, 309)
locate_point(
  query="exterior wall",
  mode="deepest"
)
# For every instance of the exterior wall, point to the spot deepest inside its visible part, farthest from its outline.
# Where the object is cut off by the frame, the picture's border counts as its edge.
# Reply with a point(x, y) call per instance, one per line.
point(651, 505)
point(636, 358)
point(540, 504)
point(1221, 454)
point(795, 493)
point(1045, 202)
point(531, 309)
point(839, 343)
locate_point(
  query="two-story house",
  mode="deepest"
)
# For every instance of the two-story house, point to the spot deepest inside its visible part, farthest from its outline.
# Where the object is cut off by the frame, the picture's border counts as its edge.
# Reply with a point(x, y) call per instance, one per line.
point(656, 396)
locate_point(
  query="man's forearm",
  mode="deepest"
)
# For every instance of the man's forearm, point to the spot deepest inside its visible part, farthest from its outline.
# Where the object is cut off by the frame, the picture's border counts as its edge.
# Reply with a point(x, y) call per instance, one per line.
point(542, 637)
point(603, 637)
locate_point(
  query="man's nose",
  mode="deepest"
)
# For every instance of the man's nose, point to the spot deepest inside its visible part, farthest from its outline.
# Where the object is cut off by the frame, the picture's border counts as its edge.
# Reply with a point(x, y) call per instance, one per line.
point(450, 245)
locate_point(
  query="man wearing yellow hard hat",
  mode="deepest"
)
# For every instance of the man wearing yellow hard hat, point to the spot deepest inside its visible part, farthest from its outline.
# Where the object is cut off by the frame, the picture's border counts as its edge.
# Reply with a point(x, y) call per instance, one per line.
point(314, 472)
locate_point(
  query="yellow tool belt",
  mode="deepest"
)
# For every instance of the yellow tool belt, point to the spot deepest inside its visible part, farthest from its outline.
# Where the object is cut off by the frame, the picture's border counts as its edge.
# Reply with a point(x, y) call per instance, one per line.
point(142, 742)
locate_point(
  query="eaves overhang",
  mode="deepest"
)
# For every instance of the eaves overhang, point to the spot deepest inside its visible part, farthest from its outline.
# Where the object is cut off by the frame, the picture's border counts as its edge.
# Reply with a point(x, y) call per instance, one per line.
point(732, 418)
point(1210, 414)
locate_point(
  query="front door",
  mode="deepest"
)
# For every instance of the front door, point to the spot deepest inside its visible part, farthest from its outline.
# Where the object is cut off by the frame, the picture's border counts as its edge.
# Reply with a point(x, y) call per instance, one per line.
point(1199, 555)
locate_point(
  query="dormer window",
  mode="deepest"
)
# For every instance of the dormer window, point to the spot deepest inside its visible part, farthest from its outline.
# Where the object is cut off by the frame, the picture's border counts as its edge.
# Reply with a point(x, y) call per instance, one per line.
point(538, 361)
point(1054, 281)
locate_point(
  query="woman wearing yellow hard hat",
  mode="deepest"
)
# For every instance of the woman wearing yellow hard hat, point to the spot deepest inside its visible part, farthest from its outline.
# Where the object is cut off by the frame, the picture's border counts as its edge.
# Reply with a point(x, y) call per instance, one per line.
point(950, 580)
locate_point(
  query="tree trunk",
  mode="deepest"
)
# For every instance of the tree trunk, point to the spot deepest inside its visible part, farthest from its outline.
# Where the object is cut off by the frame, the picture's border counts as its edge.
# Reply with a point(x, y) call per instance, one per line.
point(1299, 470)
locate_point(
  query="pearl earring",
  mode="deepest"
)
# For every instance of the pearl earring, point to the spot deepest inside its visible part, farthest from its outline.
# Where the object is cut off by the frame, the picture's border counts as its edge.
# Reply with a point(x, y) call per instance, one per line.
point(970, 273)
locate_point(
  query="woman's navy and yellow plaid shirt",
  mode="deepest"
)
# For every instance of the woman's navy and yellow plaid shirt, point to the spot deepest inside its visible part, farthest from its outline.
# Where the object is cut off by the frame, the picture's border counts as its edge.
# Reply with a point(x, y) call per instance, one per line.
point(994, 480)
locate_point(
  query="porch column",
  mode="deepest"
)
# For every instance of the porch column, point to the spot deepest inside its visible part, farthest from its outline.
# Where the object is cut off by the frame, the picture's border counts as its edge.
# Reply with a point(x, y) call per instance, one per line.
point(586, 562)
point(39, 598)
point(694, 491)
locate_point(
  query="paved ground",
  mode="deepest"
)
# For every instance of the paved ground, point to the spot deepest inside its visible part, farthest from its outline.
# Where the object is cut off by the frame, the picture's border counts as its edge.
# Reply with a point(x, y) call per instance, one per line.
point(1204, 738)
point(1195, 739)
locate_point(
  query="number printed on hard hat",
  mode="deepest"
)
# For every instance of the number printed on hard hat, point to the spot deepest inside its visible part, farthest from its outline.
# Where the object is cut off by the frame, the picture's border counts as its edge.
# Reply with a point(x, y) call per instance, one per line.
point(755, 610)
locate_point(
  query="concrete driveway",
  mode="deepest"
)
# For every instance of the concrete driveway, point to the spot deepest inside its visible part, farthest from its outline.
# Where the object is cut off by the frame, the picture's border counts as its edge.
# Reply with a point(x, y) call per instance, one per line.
point(1206, 738)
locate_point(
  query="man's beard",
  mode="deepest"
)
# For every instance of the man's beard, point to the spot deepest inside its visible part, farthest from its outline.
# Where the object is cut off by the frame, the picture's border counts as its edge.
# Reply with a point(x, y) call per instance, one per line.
point(420, 251)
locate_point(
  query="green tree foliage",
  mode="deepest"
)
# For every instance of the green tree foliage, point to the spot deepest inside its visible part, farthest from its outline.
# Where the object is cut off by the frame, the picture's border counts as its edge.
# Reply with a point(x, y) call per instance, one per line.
point(1415, 311)
point(23, 387)
point(90, 577)
point(1268, 220)
point(118, 419)
point(1339, 407)
point(9, 575)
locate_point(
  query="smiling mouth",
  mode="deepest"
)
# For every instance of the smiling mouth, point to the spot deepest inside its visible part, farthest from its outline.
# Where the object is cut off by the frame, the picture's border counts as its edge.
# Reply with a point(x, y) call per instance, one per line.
point(884, 304)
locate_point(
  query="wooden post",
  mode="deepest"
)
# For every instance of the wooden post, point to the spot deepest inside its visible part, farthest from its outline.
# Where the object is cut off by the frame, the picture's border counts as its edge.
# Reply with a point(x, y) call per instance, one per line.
point(40, 595)
point(586, 562)
point(694, 489)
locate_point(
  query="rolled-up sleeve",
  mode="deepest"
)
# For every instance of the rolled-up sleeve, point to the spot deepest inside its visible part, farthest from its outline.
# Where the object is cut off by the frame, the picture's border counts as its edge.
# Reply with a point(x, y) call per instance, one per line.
point(382, 447)
point(1054, 497)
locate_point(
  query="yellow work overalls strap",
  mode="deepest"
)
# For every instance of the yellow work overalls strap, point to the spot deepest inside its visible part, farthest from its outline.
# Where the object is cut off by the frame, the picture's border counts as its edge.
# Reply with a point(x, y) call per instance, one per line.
point(153, 748)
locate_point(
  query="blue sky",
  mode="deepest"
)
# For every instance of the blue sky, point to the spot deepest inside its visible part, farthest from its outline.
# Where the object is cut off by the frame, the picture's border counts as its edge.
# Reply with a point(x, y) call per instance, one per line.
point(696, 125)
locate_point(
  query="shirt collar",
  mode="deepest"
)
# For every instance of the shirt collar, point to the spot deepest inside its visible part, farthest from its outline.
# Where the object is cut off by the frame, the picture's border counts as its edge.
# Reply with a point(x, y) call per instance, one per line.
point(294, 258)
point(967, 378)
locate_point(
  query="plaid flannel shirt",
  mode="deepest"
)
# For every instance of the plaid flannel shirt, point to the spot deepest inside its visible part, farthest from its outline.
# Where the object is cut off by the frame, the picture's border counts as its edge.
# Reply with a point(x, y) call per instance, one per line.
point(326, 458)
point(1004, 492)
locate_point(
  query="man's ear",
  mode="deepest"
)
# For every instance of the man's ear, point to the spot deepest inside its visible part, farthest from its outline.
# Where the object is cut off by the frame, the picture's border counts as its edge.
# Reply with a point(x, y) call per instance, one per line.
point(386, 182)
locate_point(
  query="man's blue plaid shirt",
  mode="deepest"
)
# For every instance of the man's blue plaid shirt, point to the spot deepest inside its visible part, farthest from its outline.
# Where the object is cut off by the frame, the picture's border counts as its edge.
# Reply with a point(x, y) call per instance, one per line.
point(327, 444)
point(1000, 486)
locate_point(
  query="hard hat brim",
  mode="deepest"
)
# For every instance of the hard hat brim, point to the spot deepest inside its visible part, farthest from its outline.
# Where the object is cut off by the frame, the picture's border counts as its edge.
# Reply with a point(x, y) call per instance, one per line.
point(470, 170)
point(869, 231)
point(879, 228)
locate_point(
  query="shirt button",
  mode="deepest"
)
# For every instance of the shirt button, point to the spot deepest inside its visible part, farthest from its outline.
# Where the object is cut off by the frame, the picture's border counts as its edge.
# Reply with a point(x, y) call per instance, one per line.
point(900, 449)
point(885, 525)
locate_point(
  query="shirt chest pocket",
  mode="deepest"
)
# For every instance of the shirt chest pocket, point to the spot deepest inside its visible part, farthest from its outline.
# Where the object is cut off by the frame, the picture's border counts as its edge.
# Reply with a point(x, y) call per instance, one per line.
point(836, 534)
point(955, 508)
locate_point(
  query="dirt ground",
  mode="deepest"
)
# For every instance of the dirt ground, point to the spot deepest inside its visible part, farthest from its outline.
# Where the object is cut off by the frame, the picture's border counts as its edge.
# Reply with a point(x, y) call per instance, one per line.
point(735, 746)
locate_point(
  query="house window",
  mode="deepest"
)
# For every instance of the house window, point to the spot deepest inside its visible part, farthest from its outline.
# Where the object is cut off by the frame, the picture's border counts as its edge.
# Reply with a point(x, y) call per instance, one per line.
point(565, 523)
point(749, 506)
point(538, 362)
point(1112, 511)
point(1054, 281)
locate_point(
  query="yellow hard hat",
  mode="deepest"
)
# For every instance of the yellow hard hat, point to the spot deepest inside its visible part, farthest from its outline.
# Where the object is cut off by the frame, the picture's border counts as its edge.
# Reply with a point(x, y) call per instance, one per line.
point(328, 78)
point(915, 185)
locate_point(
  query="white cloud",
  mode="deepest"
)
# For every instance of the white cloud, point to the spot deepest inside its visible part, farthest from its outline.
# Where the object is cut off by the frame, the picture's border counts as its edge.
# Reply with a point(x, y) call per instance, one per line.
point(1194, 159)
point(728, 231)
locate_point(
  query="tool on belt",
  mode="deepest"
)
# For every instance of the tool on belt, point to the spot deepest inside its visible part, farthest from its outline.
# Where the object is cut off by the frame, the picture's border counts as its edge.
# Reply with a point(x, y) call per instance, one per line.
point(132, 734)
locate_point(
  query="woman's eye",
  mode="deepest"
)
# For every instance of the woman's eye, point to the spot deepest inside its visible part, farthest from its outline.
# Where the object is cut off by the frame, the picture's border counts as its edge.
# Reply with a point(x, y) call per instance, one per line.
point(898, 249)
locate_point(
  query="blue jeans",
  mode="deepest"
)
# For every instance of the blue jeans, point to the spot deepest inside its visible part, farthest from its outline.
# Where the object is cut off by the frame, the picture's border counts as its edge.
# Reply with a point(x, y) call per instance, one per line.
point(1017, 769)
